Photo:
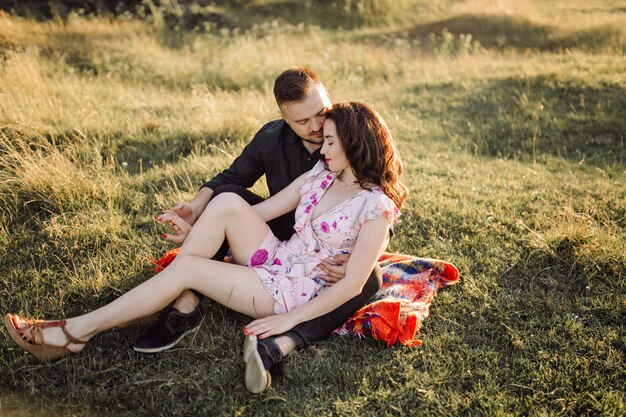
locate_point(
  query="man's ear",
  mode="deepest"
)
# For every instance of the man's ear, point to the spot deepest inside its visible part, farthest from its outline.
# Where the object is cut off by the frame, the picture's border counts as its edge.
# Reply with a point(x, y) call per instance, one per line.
point(281, 114)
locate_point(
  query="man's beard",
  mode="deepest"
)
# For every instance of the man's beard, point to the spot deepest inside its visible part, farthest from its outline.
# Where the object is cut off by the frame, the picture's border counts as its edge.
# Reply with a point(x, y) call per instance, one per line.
point(313, 142)
point(309, 140)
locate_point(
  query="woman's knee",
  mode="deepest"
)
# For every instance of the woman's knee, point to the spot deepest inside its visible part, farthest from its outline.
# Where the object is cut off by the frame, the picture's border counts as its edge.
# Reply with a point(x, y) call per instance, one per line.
point(186, 267)
point(229, 202)
point(248, 196)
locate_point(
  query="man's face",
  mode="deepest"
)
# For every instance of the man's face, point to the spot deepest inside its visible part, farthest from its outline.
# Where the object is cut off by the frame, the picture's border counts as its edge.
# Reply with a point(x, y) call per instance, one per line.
point(306, 117)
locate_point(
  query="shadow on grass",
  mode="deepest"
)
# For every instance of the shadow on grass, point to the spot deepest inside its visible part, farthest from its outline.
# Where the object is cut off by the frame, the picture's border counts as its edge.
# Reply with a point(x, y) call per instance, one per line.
point(537, 329)
point(503, 31)
point(104, 54)
point(203, 375)
point(527, 118)
point(159, 147)
point(329, 14)
point(571, 285)
point(150, 145)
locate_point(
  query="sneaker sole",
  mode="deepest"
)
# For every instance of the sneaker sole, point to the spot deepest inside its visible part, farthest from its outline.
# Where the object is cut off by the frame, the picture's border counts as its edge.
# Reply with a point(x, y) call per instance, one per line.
point(257, 378)
point(166, 347)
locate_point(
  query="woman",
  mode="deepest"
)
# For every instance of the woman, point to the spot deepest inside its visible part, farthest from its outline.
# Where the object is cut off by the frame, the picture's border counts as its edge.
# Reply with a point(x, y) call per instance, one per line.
point(346, 203)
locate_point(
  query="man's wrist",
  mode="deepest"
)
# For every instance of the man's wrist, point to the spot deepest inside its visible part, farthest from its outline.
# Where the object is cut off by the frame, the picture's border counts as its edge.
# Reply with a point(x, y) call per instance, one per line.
point(199, 202)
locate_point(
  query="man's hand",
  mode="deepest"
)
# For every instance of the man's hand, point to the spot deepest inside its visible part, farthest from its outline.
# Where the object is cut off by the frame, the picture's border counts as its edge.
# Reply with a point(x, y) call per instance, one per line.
point(184, 210)
point(191, 211)
point(270, 326)
point(179, 228)
point(334, 268)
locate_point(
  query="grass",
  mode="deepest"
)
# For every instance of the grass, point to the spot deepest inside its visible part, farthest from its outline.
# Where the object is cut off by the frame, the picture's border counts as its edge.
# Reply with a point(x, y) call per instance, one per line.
point(513, 143)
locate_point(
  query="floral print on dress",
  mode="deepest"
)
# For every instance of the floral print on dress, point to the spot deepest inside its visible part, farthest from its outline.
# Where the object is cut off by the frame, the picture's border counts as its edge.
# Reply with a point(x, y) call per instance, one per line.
point(259, 257)
point(289, 270)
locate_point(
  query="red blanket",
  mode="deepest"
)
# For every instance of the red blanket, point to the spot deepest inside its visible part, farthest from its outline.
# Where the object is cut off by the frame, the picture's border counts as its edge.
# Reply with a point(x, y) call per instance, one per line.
point(399, 308)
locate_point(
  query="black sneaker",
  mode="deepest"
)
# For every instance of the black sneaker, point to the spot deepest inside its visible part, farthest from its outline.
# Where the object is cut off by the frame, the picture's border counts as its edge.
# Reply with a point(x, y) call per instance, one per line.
point(261, 357)
point(169, 329)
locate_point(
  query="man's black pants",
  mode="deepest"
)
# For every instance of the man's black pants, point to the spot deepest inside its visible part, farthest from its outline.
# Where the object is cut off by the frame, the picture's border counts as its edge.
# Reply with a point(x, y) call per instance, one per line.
point(320, 327)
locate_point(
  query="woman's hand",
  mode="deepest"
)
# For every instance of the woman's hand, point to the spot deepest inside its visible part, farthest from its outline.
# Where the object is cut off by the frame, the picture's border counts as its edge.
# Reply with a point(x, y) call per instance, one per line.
point(179, 228)
point(270, 326)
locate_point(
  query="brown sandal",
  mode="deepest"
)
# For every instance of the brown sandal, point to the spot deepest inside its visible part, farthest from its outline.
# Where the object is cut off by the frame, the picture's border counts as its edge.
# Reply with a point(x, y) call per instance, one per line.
point(36, 344)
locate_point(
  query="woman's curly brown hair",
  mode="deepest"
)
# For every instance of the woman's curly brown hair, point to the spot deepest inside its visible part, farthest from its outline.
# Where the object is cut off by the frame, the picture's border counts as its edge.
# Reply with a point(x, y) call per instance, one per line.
point(369, 147)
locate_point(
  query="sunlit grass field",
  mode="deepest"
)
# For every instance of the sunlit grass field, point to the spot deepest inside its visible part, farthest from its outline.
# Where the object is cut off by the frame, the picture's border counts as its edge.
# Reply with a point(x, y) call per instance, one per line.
point(510, 117)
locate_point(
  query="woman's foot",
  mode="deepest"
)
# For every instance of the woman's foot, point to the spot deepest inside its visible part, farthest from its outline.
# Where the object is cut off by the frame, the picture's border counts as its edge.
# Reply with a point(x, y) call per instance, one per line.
point(46, 340)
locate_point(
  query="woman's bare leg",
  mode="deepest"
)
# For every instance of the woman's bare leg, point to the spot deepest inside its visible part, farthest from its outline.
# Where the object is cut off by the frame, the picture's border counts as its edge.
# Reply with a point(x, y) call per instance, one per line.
point(234, 286)
point(242, 227)
point(187, 301)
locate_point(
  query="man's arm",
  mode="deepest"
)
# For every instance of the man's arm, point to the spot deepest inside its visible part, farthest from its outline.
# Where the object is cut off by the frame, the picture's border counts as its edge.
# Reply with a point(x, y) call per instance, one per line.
point(277, 205)
point(334, 268)
point(191, 211)
point(245, 170)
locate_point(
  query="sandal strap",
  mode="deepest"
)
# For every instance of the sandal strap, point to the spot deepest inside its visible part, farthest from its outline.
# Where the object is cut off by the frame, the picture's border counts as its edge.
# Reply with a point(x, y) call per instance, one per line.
point(35, 328)
point(70, 339)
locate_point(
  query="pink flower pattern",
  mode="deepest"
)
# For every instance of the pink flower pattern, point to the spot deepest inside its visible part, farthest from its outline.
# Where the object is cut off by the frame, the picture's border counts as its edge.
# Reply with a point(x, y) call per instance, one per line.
point(259, 257)
point(289, 270)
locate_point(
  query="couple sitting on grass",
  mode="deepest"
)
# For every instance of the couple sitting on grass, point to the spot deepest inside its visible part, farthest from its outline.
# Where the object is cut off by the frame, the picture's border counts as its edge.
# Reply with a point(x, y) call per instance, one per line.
point(337, 167)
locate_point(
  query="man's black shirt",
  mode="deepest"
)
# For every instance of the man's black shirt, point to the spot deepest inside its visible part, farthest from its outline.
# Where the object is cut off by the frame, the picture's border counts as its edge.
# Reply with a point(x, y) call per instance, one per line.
point(275, 151)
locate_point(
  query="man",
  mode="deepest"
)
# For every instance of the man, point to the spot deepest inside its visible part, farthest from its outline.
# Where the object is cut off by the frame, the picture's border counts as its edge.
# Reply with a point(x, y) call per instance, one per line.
point(282, 150)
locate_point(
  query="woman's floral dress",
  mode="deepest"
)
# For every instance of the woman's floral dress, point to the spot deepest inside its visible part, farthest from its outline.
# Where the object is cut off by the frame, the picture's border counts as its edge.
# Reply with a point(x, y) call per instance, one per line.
point(289, 270)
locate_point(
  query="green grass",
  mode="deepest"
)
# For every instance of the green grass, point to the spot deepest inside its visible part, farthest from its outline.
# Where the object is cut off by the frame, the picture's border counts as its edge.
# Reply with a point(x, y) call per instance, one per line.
point(513, 144)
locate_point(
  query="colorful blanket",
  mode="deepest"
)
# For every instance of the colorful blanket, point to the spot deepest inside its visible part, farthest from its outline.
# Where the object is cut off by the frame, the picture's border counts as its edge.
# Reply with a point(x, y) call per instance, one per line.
point(399, 308)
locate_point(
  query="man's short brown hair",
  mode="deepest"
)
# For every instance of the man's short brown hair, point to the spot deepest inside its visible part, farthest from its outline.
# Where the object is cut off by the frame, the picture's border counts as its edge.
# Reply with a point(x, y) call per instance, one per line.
point(294, 85)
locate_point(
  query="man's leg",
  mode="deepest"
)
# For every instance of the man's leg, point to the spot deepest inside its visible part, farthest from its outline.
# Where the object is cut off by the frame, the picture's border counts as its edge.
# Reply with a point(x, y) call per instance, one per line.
point(313, 330)
point(184, 315)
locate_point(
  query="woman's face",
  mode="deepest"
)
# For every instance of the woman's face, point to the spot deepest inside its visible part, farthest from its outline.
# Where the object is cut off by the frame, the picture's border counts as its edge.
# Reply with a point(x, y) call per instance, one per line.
point(334, 156)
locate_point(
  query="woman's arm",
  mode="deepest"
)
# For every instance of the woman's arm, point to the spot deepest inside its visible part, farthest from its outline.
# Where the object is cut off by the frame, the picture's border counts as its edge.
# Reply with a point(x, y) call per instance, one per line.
point(283, 202)
point(275, 206)
point(369, 246)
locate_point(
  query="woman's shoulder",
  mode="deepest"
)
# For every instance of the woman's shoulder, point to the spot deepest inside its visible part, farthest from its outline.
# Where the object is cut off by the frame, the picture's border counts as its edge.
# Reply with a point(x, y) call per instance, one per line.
point(378, 203)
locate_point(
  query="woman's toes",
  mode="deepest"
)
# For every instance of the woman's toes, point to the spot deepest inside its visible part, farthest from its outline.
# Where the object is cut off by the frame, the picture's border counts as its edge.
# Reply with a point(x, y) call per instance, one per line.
point(16, 321)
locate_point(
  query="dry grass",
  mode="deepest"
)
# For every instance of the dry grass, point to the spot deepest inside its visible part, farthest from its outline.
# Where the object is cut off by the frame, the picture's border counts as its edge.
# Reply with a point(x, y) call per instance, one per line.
point(104, 121)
